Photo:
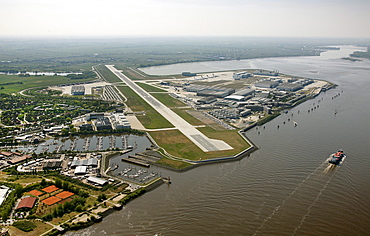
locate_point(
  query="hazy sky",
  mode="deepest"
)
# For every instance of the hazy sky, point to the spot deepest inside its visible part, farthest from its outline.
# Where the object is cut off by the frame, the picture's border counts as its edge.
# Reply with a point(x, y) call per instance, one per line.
point(292, 18)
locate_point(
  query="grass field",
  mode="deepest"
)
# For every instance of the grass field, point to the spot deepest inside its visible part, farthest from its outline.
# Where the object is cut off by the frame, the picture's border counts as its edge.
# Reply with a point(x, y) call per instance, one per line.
point(152, 119)
point(167, 100)
point(149, 88)
point(177, 144)
point(173, 163)
point(186, 116)
point(32, 81)
point(107, 74)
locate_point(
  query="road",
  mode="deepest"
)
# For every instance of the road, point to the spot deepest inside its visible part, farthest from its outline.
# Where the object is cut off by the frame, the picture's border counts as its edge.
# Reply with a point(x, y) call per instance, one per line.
point(198, 138)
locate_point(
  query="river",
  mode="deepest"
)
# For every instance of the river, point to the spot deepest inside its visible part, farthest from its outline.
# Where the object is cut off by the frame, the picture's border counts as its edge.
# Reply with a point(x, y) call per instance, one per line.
point(284, 188)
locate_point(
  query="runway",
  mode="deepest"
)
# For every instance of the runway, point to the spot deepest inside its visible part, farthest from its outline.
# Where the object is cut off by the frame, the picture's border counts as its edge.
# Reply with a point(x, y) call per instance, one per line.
point(198, 138)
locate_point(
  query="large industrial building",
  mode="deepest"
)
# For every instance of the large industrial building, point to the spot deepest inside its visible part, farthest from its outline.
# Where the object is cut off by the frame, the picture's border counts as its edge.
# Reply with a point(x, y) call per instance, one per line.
point(242, 75)
point(265, 72)
point(289, 87)
point(266, 84)
point(78, 90)
point(241, 95)
point(205, 91)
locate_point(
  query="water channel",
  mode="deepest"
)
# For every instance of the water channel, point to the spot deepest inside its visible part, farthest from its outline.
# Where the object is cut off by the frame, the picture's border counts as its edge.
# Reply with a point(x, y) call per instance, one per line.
point(284, 188)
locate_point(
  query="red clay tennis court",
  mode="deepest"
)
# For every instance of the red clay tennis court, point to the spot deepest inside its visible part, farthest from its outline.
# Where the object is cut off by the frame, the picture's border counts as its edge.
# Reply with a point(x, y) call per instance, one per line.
point(64, 194)
point(35, 193)
point(50, 189)
point(51, 200)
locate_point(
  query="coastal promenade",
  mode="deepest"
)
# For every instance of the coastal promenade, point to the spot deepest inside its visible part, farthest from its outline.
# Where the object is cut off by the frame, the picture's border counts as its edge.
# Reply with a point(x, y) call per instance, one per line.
point(198, 138)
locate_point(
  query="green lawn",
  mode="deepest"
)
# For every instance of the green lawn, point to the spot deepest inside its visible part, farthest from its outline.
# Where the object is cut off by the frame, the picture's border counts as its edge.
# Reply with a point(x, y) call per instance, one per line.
point(173, 163)
point(107, 74)
point(152, 119)
point(186, 116)
point(167, 100)
point(149, 88)
point(177, 144)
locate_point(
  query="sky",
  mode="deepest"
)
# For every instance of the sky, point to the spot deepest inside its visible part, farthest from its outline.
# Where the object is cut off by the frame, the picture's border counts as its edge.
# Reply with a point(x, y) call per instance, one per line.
point(126, 18)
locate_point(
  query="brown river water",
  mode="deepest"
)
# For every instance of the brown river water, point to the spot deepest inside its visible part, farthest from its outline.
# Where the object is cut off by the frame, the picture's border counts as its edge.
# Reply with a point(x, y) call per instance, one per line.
point(285, 187)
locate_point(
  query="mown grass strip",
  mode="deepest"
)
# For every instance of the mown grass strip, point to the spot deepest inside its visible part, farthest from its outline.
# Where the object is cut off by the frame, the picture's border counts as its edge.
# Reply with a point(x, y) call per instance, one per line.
point(107, 74)
point(149, 88)
point(173, 163)
point(152, 119)
point(167, 100)
point(177, 144)
point(186, 116)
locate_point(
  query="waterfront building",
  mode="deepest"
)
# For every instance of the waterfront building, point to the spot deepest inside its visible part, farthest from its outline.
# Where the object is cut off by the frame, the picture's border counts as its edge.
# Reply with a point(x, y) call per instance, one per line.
point(103, 123)
point(265, 72)
point(87, 127)
point(119, 121)
point(242, 75)
point(292, 87)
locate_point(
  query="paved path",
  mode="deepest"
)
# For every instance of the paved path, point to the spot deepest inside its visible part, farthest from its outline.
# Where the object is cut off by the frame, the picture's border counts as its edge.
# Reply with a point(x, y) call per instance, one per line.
point(197, 137)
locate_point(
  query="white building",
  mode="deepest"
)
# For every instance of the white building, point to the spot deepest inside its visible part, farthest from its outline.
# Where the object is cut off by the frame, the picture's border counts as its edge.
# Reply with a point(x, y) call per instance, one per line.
point(119, 121)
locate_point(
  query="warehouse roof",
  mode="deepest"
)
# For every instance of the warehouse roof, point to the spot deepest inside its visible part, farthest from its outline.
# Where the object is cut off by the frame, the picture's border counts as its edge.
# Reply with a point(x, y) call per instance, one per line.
point(97, 180)
point(80, 170)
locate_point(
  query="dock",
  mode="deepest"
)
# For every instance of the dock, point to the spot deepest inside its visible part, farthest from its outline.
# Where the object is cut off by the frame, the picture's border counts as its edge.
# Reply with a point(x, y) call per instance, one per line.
point(134, 160)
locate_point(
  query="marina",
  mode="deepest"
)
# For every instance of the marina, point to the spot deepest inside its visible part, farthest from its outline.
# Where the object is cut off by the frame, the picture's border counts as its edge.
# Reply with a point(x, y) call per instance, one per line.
point(91, 143)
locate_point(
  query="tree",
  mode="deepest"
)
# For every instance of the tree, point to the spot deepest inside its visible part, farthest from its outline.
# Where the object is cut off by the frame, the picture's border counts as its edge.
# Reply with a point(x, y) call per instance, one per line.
point(102, 197)
point(65, 185)
point(18, 190)
point(58, 183)
point(43, 183)
point(79, 208)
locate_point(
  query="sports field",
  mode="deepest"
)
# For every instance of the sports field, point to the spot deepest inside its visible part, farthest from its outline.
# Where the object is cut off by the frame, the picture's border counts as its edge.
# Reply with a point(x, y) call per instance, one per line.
point(51, 200)
point(64, 194)
point(50, 189)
